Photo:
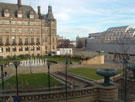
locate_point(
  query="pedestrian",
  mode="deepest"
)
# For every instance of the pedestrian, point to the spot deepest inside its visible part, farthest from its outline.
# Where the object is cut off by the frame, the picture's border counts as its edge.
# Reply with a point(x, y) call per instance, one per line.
point(16, 99)
point(10, 99)
point(5, 74)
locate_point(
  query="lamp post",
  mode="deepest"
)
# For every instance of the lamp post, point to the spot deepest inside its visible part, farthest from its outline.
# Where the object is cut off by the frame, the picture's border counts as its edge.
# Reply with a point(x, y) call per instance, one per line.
point(66, 76)
point(16, 63)
point(48, 65)
point(2, 76)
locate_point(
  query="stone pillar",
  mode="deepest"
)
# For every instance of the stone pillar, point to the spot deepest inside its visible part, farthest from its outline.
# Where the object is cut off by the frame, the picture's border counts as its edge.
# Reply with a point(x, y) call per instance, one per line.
point(107, 93)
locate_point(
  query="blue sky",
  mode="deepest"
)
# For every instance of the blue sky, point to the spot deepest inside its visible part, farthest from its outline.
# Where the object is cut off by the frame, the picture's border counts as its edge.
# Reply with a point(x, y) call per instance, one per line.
point(81, 17)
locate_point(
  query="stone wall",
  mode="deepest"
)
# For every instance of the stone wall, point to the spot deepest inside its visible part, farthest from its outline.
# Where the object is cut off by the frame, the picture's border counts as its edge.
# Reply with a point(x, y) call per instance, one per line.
point(91, 94)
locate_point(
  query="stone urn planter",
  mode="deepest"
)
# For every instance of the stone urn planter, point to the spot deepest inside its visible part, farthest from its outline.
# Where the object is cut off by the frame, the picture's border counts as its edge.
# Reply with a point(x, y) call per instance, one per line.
point(107, 73)
point(131, 68)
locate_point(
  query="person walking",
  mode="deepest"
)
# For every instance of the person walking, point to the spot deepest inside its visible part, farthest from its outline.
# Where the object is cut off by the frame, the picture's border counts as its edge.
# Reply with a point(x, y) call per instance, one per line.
point(10, 99)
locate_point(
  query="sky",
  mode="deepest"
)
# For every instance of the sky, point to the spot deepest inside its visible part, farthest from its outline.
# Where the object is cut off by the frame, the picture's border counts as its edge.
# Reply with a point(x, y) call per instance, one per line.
point(81, 17)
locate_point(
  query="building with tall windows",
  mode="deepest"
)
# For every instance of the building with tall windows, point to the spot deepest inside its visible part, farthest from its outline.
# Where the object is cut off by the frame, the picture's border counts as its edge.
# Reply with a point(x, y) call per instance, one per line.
point(119, 40)
point(23, 31)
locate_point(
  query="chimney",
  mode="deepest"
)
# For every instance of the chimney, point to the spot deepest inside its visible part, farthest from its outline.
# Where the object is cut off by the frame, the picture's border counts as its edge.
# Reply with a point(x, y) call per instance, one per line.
point(39, 10)
point(19, 3)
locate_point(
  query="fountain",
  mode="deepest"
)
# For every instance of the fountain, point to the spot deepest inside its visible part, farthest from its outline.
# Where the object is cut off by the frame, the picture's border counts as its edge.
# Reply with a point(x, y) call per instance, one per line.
point(131, 68)
point(107, 73)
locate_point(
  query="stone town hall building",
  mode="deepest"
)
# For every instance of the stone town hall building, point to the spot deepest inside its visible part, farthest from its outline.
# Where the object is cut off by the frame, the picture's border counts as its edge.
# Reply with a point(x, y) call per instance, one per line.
point(23, 31)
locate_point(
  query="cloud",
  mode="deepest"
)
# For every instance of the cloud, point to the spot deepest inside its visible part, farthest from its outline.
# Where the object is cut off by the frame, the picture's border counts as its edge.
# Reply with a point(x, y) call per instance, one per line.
point(80, 17)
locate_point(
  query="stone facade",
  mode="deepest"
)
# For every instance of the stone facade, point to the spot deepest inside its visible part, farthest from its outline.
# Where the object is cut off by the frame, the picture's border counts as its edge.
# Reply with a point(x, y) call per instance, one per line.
point(23, 31)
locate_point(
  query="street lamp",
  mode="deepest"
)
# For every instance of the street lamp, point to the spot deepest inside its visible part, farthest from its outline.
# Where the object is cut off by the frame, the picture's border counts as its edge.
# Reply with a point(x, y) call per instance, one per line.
point(48, 65)
point(16, 63)
point(66, 78)
point(2, 76)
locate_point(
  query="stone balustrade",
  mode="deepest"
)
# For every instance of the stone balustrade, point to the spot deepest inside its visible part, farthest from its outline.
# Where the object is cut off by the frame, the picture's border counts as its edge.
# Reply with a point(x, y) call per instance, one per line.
point(90, 94)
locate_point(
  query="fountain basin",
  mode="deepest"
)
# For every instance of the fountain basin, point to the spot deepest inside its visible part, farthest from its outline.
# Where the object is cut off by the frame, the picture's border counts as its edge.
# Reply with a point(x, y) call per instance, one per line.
point(107, 73)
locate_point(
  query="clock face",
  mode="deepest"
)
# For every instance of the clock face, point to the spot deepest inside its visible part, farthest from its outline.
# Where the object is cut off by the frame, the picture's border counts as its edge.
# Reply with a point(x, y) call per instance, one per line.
point(6, 14)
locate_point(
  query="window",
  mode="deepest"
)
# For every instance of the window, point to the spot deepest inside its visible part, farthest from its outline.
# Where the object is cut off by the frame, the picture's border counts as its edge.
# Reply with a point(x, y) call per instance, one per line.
point(19, 15)
point(31, 31)
point(53, 47)
point(1, 22)
point(13, 22)
point(26, 49)
point(53, 31)
point(1, 49)
point(6, 14)
point(25, 23)
point(31, 16)
point(53, 39)
point(19, 23)
point(31, 23)
point(32, 48)
point(8, 49)
point(19, 30)
point(37, 31)
point(7, 30)
point(26, 31)
point(37, 41)
point(26, 40)
point(32, 40)
point(13, 30)
point(46, 31)
point(38, 48)
point(14, 49)
point(46, 47)
point(20, 49)
point(13, 40)
point(20, 41)
point(0, 40)
point(0, 30)
point(7, 41)
point(46, 39)
point(37, 23)
point(7, 22)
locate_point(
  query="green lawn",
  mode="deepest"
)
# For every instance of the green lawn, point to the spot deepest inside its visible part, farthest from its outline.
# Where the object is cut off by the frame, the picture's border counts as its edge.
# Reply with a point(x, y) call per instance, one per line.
point(31, 81)
point(59, 59)
point(87, 72)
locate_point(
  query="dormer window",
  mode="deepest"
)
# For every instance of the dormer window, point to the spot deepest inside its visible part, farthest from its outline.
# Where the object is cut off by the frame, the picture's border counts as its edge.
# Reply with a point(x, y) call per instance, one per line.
point(6, 13)
point(31, 14)
point(19, 14)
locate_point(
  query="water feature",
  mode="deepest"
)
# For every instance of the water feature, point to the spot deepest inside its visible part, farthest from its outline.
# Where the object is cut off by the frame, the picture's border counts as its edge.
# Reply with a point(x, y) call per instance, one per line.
point(33, 63)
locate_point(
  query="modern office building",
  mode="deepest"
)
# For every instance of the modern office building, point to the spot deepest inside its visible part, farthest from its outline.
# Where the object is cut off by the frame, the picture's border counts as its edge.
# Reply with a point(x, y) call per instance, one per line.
point(114, 40)
point(23, 31)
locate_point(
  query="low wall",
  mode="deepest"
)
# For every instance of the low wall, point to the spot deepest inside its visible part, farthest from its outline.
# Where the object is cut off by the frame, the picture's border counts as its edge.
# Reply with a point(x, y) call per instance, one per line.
point(95, 60)
point(91, 94)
